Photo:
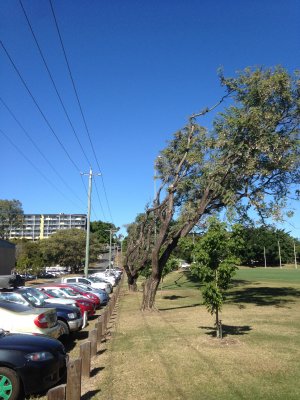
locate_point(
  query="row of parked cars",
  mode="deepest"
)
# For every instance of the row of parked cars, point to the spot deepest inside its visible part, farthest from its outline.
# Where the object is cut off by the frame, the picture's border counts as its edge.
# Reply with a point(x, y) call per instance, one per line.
point(35, 321)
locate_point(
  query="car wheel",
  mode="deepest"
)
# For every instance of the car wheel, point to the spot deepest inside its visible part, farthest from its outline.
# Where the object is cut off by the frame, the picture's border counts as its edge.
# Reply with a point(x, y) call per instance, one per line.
point(64, 329)
point(9, 384)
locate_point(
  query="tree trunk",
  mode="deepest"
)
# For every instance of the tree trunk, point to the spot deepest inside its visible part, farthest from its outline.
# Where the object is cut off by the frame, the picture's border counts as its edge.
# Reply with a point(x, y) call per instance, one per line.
point(131, 279)
point(149, 292)
point(219, 332)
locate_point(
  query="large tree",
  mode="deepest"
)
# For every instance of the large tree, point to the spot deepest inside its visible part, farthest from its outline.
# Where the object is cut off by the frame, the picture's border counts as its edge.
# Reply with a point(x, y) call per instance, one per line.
point(67, 248)
point(249, 159)
point(11, 216)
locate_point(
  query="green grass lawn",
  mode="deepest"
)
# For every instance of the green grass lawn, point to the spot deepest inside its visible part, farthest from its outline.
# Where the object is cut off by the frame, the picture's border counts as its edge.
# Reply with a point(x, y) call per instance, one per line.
point(173, 353)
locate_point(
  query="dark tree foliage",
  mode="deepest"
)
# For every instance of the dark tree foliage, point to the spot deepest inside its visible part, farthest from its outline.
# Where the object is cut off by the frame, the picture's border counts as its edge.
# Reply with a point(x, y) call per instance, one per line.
point(265, 242)
point(101, 230)
point(11, 216)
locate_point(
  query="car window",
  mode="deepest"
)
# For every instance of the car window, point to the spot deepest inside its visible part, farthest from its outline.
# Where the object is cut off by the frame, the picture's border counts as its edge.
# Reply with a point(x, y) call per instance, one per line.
point(71, 279)
point(69, 291)
point(32, 299)
point(16, 298)
point(14, 306)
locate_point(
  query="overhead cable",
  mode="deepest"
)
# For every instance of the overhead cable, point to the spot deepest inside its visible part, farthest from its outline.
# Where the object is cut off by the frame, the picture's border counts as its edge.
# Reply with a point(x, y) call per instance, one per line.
point(53, 83)
point(38, 149)
point(38, 107)
point(34, 166)
point(79, 104)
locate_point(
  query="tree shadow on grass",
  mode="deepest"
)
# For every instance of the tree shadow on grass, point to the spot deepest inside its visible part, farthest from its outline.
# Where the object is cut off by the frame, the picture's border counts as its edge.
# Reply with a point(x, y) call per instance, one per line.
point(175, 308)
point(95, 371)
point(90, 394)
point(263, 296)
point(228, 330)
point(174, 297)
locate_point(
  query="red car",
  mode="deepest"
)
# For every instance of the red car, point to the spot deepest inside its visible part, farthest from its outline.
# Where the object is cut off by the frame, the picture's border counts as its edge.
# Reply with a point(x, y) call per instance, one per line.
point(83, 303)
point(80, 292)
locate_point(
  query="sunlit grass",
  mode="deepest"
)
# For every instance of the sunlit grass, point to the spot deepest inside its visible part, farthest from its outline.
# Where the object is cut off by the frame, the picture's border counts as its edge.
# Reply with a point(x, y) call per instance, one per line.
point(173, 354)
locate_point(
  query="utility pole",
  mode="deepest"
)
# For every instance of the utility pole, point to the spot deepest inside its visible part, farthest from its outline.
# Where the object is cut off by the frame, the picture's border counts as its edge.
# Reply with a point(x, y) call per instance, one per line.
point(265, 257)
point(87, 244)
point(111, 231)
point(279, 253)
point(295, 255)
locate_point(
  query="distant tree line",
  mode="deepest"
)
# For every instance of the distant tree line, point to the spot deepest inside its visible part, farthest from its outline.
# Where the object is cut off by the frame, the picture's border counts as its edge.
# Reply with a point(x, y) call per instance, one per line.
point(65, 247)
point(258, 244)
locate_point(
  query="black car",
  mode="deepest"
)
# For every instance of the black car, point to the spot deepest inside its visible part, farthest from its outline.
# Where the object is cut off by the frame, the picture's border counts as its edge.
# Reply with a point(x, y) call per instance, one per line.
point(29, 364)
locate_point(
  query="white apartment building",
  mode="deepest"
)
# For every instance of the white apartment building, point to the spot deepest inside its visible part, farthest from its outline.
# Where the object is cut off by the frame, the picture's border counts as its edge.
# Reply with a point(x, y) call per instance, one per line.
point(41, 226)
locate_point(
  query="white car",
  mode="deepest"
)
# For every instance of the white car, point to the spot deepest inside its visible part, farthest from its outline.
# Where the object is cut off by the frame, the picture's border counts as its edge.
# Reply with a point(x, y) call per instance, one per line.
point(18, 318)
point(92, 281)
point(106, 277)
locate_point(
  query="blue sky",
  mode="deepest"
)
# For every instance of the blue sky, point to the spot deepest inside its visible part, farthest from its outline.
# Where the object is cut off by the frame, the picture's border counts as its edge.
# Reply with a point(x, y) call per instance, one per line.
point(140, 69)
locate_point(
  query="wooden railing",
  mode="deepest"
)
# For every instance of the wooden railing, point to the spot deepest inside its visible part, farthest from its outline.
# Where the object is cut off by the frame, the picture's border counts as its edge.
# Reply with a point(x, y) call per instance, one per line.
point(81, 367)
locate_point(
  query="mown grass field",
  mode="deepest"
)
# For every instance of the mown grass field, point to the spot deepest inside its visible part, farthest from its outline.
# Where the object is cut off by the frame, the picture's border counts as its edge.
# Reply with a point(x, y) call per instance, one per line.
point(173, 354)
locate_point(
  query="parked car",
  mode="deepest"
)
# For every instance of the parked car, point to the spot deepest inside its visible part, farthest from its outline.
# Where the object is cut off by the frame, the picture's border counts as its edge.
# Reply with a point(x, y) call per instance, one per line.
point(103, 296)
point(69, 318)
point(91, 281)
point(85, 305)
point(82, 293)
point(115, 270)
point(29, 364)
point(50, 300)
point(9, 281)
point(106, 277)
point(28, 277)
point(46, 275)
point(18, 318)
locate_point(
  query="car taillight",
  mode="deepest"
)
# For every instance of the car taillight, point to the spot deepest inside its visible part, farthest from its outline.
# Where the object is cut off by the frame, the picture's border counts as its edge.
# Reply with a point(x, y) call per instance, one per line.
point(41, 321)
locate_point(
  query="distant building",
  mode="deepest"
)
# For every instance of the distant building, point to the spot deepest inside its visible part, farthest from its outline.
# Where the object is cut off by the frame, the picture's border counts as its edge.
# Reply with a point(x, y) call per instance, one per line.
point(41, 226)
point(7, 257)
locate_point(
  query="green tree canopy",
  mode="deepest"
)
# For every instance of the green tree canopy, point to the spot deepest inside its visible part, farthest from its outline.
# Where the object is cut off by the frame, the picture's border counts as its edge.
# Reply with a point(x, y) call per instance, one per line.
point(67, 248)
point(248, 160)
point(215, 263)
point(265, 241)
point(101, 230)
point(11, 216)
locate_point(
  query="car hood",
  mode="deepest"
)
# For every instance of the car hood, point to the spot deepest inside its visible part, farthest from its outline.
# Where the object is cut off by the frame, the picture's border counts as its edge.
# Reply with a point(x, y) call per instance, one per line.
point(30, 343)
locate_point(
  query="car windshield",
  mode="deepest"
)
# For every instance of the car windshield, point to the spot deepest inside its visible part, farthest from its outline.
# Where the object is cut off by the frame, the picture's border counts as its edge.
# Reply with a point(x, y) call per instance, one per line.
point(86, 287)
point(56, 293)
point(94, 279)
point(33, 298)
point(69, 292)
point(15, 298)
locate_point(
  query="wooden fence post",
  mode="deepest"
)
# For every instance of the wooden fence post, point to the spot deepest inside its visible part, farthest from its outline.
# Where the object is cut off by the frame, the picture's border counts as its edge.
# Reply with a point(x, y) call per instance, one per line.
point(101, 332)
point(73, 390)
point(93, 341)
point(104, 321)
point(57, 393)
point(98, 327)
point(85, 354)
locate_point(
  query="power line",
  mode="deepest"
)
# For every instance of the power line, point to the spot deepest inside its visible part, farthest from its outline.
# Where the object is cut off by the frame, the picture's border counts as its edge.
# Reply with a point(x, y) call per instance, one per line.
point(37, 148)
point(38, 107)
point(79, 104)
point(33, 165)
point(53, 83)
point(99, 198)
